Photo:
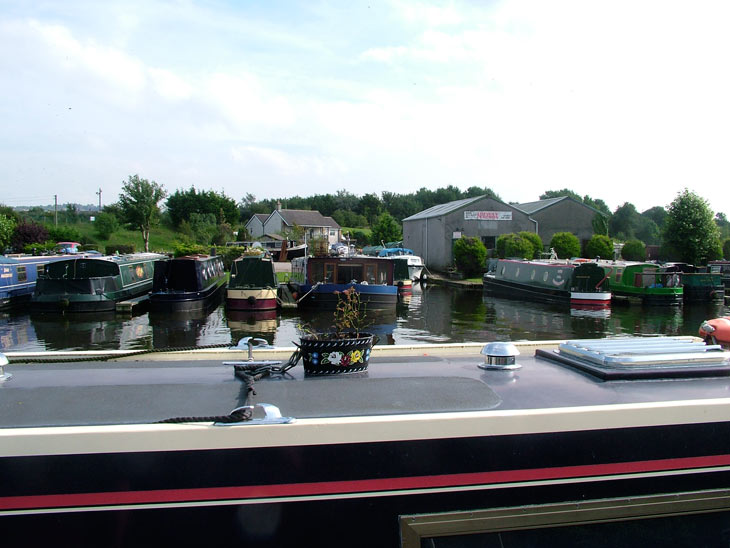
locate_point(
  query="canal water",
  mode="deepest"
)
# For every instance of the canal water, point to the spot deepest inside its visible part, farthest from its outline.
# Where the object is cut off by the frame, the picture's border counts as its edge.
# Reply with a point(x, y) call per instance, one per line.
point(434, 314)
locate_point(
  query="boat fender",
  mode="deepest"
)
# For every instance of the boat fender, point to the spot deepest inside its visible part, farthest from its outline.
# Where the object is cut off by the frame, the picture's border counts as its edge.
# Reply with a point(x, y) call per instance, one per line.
point(251, 300)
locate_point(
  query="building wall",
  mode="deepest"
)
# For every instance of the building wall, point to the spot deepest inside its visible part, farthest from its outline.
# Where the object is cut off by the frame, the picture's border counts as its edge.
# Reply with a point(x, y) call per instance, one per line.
point(565, 216)
point(274, 224)
point(255, 227)
point(432, 238)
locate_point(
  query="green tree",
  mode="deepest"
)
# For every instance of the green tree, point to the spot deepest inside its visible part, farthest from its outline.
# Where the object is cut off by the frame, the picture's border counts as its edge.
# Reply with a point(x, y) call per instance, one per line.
point(690, 229)
point(565, 244)
point(7, 226)
point(470, 255)
point(105, 225)
point(599, 246)
point(600, 224)
point(386, 229)
point(535, 240)
point(726, 249)
point(657, 214)
point(139, 207)
point(634, 250)
point(624, 222)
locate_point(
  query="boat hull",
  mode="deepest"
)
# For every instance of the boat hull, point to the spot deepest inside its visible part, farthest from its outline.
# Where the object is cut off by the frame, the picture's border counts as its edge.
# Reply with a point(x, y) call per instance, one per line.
point(139, 497)
point(187, 301)
point(512, 290)
point(251, 299)
point(327, 295)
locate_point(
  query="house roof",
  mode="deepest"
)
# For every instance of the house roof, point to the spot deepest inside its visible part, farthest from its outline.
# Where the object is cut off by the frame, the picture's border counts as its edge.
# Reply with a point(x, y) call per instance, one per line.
point(534, 207)
point(306, 217)
point(443, 209)
point(261, 217)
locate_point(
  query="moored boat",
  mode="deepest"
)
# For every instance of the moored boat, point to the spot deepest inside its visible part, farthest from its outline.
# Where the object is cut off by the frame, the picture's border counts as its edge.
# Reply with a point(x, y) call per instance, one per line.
point(319, 280)
point(413, 262)
point(528, 444)
point(86, 284)
point(189, 283)
point(646, 282)
point(253, 284)
point(722, 268)
point(18, 276)
point(551, 281)
point(698, 285)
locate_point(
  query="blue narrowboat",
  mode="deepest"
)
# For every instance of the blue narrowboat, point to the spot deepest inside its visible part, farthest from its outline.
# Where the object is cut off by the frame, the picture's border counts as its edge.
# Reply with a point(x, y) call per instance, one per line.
point(189, 283)
point(319, 280)
point(18, 277)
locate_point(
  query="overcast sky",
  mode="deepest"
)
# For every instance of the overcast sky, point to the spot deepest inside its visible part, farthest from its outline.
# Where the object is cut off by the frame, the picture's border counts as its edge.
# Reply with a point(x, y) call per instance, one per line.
point(620, 100)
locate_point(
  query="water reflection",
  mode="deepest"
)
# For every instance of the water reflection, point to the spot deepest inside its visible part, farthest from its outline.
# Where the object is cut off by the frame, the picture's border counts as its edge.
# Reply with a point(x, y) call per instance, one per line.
point(432, 314)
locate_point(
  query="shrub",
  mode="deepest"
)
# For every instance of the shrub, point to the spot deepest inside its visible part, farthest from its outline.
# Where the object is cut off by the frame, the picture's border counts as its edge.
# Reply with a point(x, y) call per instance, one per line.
point(230, 254)
point(536, 242)
point(470, 256)
point(182, 249)
point(63, 233)
point(634, 250)
point(599, 246)
point(565, 244)
point(105, 225)
point(517, 246)
point(28, 233)
point(121, 249)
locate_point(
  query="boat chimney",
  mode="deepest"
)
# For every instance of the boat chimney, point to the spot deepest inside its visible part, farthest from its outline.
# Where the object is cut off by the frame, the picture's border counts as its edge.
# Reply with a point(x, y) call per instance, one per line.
point(500, 356)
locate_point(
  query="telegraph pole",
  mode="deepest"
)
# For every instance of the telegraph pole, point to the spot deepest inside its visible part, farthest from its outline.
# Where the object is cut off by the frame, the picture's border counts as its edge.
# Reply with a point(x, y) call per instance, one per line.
point(99, 194)
point(55, 209)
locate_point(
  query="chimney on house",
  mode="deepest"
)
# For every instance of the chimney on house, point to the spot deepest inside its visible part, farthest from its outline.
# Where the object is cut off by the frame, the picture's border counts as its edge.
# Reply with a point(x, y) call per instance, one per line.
point(278, 205)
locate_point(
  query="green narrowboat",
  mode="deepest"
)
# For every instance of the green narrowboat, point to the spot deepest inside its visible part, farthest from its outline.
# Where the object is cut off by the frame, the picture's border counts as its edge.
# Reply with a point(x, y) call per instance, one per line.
point(84, 284)
point(646, 282)
point(698, 284)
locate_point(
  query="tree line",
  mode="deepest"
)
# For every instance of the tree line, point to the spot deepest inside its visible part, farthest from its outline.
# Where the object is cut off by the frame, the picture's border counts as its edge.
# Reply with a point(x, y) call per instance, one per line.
point(211, 217)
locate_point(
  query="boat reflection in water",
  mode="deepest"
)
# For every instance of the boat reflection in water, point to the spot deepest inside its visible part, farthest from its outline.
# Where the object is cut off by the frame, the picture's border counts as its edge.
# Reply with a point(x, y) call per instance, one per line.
point(181, 329)
point(98, 331)
point(252, 323)
point(380, 322)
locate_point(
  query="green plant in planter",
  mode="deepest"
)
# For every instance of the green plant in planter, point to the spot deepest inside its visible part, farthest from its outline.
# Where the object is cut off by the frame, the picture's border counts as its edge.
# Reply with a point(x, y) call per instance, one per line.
point(350, 315)
point(345, 350)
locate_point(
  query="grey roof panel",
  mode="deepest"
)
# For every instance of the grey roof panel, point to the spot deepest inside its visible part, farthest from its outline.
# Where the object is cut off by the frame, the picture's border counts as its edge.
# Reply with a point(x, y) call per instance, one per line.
point(532, 207)
point(443, 209)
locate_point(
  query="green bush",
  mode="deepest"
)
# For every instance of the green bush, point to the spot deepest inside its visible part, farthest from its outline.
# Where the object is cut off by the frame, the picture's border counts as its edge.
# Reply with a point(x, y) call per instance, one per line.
point(63, 233)
point(599, 246)
point(230, 254)
point(182, 249)
point(726, 248)
point(121, 249)
point(535, 240)
point(565, 244)
point(105, 225)
point(470, 256)
point(634, 250)
point(517, 246)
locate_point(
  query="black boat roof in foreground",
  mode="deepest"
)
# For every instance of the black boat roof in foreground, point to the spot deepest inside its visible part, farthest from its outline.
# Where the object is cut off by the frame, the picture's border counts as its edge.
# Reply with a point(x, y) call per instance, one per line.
point(425, 380)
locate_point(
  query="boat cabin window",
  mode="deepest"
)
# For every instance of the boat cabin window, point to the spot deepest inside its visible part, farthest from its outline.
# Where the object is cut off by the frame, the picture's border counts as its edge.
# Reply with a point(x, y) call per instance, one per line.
point(370, 271)
point(317, 272)
point(22, 274)
point(40, 269)
point(329, 272)
point(348, 273)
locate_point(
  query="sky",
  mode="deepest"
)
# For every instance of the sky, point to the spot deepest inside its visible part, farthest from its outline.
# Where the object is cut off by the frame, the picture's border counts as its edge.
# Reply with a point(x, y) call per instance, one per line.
point(624, 101)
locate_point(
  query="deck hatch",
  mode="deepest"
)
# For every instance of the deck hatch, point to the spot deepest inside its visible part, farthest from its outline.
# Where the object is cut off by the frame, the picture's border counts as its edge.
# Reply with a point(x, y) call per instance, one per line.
point(642, 357)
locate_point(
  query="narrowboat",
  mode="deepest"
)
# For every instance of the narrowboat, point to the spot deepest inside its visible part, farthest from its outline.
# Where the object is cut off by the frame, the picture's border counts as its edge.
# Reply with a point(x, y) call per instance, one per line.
point(550, 281)
point(186, 284)
point(18, 276)
point(645, 282)
point(722, 268)
point(85, 284)
point(253, 283)
point(317, 281)
point(698, 284)
point(620, 442)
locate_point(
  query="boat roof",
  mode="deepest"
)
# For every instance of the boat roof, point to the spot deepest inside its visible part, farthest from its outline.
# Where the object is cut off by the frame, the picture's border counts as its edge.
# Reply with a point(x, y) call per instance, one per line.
point(401, 380)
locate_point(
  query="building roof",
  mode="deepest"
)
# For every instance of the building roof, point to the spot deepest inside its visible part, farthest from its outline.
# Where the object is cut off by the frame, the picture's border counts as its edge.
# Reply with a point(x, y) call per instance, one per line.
point(534, 207)
point(261, 217)
point(443, 209)
point(306, 217)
